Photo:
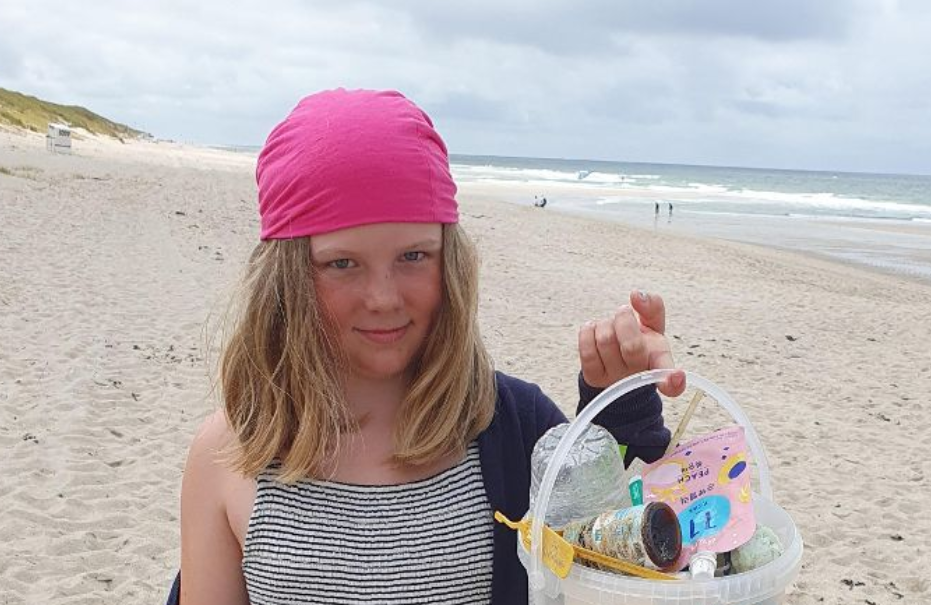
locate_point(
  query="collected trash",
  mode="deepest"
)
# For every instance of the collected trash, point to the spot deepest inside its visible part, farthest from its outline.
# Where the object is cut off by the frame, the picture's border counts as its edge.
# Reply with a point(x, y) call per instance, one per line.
point(590, 481)
point(702, 565)
point(764, 547)
point(735, 545)
point(707, 482)
point(558, 554)
point(647, 535)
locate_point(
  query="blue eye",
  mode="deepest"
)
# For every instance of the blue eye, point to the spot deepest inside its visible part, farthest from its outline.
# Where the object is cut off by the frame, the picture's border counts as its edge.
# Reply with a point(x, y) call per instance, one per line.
point(342, 263)
point(414, 256)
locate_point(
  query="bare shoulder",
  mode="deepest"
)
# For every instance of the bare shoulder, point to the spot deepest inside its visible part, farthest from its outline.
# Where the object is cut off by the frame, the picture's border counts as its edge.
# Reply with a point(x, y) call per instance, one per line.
point(210, 483)
point(214, 432)
point(211, 552)
point(207, 463)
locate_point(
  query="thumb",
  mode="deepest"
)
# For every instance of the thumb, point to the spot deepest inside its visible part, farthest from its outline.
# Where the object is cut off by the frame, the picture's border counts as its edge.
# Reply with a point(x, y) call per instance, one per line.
point(674, 385)
point(651, 309)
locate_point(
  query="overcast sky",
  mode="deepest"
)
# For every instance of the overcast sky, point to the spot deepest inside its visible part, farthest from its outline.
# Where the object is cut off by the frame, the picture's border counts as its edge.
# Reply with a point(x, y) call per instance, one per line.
point(816, 84)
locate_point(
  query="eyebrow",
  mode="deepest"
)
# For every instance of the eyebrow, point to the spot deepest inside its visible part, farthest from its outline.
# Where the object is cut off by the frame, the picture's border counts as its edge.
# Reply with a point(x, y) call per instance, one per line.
point(430, 243)
point(427, 243)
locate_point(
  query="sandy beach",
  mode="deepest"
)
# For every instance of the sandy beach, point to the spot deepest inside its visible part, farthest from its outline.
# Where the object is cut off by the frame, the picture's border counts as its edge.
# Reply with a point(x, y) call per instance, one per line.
point(117, 263)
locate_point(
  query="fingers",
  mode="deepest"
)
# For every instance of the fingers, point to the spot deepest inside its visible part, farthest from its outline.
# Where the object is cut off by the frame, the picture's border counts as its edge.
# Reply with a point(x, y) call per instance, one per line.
point(652, 312)
point(608, 349)
point(593, 369)
point(630, 342)
point(674, 385)
point(651, 309)
point(661, 359)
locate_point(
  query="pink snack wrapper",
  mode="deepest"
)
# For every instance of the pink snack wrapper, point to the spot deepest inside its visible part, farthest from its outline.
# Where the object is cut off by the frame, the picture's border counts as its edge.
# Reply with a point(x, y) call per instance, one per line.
point(707, 482)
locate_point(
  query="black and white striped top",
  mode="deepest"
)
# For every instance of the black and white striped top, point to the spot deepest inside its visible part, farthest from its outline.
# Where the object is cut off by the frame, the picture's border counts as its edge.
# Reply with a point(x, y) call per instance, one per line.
point(429, 541)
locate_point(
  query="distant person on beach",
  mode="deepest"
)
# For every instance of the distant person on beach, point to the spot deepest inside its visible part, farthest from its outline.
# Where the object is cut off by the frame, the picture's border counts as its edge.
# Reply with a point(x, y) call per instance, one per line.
point(670, 209)
point(364, 433)
point(656, 209)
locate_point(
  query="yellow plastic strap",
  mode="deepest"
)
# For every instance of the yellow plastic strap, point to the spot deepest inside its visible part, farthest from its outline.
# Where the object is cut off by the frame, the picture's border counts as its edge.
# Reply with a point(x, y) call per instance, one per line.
point(557, 553)
point(622, 566)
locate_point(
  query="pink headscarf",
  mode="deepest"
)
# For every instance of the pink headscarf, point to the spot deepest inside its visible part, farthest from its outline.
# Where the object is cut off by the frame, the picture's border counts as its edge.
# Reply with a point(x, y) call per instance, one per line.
point(345, 158)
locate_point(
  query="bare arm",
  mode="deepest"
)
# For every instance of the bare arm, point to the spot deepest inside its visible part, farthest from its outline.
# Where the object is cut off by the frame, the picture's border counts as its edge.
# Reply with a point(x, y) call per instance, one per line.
point(211, 559)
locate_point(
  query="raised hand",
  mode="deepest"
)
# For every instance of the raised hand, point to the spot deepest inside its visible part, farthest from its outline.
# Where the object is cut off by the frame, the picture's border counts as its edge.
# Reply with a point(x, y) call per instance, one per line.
point(631, 341)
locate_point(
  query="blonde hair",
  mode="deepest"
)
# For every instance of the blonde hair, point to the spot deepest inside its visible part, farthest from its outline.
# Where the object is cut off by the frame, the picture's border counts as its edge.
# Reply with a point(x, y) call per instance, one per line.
point(281, 375)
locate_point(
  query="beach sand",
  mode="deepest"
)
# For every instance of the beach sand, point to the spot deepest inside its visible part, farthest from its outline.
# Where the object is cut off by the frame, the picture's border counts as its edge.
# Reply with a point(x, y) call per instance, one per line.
point(117, 262)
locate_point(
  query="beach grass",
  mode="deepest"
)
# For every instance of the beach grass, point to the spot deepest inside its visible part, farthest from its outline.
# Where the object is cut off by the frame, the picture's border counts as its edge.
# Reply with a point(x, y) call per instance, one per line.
point(30, 113)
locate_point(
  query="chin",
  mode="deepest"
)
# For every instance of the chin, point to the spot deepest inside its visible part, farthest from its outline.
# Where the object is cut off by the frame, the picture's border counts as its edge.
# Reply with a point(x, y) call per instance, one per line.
point(386, 369)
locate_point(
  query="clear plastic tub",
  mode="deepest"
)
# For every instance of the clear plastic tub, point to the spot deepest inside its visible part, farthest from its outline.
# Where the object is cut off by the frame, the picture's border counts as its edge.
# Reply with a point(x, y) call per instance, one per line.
point(763, 586)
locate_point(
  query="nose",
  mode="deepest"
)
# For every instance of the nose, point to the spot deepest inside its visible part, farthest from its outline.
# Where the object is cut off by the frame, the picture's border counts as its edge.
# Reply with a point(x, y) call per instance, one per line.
point(383, 292)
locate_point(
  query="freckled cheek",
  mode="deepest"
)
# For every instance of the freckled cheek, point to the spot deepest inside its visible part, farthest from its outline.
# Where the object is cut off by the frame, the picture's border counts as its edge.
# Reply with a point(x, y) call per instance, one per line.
point(336, 304)
point(426, 295)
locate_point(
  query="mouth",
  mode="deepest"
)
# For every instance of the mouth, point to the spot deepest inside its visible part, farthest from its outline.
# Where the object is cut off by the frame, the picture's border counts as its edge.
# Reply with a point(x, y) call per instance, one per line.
point(384, 335)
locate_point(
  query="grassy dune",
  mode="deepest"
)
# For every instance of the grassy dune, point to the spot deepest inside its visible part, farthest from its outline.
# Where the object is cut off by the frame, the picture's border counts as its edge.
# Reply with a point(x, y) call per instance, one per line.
point(29, 113)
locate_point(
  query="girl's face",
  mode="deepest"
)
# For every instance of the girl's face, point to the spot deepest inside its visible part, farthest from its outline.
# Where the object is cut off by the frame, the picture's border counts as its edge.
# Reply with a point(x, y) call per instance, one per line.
point(380, 287)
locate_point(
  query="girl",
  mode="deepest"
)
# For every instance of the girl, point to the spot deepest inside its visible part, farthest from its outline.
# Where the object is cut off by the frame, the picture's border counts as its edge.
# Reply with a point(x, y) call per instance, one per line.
point(365, 439)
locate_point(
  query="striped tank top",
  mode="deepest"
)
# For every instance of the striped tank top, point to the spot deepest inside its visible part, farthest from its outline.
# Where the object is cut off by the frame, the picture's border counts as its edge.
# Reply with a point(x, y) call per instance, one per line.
point(429, 541)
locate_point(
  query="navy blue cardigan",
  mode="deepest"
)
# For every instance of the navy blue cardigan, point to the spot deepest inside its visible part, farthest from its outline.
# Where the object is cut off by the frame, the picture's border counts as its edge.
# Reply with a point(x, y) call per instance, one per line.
point(522, 414)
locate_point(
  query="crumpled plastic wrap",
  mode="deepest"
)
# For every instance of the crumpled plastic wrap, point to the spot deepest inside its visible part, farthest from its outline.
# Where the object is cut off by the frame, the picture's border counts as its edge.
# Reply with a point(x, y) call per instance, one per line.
point(764, 546)
point(590, 481)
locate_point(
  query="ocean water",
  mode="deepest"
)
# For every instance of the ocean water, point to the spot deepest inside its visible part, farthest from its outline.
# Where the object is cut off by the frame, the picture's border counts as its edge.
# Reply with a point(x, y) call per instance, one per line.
point(879, 220)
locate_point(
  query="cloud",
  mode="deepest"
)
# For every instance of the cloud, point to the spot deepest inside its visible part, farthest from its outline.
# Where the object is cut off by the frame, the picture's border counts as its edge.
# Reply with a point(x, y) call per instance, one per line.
point(686, 80)
point(595, 26)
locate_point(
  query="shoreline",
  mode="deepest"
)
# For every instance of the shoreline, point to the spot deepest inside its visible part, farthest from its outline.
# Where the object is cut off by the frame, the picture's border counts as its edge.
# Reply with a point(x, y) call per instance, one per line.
point(913, 265)
point(883, 245)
